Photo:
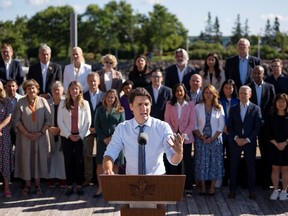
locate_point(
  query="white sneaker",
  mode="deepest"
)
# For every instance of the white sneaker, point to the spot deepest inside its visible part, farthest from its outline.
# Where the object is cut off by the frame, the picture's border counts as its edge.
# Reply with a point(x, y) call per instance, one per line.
point(283, 195)
point(218, 183)
point(274, 195)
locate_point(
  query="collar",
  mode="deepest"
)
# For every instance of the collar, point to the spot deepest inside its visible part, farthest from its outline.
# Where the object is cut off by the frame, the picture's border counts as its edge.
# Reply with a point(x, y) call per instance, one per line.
point(148, 123)
point(247, 57)
point(44, 65)
point(184, 103)
point(94, 93)
point(245, 105)
point(156, 88)
point(258, 85)
point(197, 92)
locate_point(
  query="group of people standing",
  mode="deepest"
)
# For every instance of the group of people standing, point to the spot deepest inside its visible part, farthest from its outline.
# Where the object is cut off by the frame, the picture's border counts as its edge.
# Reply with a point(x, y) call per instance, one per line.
point(62, 115)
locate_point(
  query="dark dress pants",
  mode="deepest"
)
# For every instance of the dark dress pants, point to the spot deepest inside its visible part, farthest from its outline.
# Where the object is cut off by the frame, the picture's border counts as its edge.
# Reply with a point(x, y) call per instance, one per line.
point(249, 157)
point(73, 159)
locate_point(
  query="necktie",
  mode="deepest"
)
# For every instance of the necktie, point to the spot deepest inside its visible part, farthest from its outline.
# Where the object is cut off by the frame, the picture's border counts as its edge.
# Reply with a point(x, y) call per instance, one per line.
point(141, 155)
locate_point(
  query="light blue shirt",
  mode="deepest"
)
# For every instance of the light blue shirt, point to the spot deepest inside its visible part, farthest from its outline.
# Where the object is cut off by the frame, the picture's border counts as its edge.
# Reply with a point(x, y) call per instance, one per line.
point(243, 67)
point(125, 138)
point(243, 110)
point(258, 89)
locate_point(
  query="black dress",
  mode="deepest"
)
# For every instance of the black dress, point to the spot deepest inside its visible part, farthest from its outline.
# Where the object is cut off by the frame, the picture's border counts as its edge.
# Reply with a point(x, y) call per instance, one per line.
point(278, 129)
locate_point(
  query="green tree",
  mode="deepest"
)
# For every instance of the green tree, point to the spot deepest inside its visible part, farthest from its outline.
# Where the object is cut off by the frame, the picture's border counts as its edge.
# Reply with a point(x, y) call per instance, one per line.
point(246, 29)
point(167, 31)
point(237, 31)
point(12, 33)
point(276, 26)
point(217, 32)
point(268, 33)
point(51, 26)
point(88, 28)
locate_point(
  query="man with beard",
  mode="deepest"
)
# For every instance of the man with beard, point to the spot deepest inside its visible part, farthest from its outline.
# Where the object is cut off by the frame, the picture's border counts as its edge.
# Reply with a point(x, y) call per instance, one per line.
point(179, 72)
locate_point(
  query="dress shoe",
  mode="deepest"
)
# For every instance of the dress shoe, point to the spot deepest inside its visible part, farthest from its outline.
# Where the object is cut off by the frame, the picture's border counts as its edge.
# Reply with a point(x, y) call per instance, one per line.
point(252, 195)
point(69, 191)
point(231, 195)
point(97, 195)
point(80, 191)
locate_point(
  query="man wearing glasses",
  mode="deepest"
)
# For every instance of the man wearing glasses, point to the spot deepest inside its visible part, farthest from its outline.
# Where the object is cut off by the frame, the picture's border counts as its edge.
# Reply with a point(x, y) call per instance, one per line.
point(160, 94)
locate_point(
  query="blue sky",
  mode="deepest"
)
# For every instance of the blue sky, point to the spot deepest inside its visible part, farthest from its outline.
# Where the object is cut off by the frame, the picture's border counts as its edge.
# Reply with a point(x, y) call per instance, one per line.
point(191, 13)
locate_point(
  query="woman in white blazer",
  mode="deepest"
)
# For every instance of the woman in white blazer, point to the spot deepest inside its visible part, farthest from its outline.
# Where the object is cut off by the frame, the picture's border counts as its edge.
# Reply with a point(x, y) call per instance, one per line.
point(78, 70)
point(74, 120)
point(209, 126)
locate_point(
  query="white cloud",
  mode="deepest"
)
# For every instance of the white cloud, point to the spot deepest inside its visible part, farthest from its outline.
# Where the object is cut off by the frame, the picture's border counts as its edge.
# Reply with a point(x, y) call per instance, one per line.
point(5, 4)
point(38, 2)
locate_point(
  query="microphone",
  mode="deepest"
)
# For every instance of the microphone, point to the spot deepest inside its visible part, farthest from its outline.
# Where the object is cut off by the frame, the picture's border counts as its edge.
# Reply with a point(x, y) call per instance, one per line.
point(142, 139)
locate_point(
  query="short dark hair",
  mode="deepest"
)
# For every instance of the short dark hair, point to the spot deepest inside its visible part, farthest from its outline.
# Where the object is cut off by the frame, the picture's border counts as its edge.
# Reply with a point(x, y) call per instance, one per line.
point(128, 82)
point(139, 92)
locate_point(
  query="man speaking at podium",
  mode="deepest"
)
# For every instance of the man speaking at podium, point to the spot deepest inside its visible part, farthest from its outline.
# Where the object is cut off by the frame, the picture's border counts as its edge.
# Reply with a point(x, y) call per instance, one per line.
point(143, 140)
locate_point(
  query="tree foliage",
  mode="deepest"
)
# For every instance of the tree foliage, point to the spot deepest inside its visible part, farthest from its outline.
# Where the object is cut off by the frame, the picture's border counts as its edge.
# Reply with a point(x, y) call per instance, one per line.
point(116, 28)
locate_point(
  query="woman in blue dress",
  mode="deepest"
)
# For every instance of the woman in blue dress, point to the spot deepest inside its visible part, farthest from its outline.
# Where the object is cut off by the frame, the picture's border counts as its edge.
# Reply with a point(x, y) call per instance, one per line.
point(210, 122)
point(228, 99)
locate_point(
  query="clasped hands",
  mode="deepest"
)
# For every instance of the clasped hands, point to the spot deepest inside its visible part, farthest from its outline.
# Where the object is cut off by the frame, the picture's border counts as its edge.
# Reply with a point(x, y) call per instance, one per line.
point(241, 141)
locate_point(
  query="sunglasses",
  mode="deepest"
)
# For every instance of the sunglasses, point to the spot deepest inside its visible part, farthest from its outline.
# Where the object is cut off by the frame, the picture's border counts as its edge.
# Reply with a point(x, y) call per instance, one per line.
point(107, 62)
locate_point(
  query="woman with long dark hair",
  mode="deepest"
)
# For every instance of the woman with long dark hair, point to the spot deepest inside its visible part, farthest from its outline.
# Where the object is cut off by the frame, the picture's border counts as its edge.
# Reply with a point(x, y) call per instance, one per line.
point(212, 73)
point(140, 75)
point(180, 115)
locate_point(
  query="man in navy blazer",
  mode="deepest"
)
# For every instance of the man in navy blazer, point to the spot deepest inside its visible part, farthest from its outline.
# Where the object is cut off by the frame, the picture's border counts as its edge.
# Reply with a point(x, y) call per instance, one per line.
point(263, 95)
point(45, 72)
point(14, 67)
point(239, 67)
point(179, 72)
point(160, 94)
point(244, 124)
point(95, 97)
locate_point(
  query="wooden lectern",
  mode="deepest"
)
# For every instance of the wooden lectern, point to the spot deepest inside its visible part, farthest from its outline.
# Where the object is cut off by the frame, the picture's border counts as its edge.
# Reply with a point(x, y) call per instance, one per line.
point(143, 193)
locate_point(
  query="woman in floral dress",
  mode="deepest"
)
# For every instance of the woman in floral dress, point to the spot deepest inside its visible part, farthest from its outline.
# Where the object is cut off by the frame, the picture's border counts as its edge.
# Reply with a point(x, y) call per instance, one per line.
point(6, 155)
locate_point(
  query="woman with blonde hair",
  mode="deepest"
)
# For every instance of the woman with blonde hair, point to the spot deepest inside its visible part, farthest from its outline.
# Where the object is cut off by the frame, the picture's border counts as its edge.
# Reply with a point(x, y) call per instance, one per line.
point(78, 70)
point(107, 117)
point(74, 120)
point(209, 125)
point(109, 77)
point(32, 117)
point(6, 154)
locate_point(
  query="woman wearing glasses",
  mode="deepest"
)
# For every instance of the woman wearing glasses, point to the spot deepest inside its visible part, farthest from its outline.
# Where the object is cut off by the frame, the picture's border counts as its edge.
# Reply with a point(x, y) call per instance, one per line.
point(77, 71)
point(109, 77)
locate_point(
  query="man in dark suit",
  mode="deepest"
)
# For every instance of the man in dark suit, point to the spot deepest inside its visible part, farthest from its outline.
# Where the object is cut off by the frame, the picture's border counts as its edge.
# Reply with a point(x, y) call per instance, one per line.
point(263, 94)
point(179, 72)
point(95, 97)
point(160, 94)
point(244, 124)
point(10, 68)
point(45, 72)
point(239, 67)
